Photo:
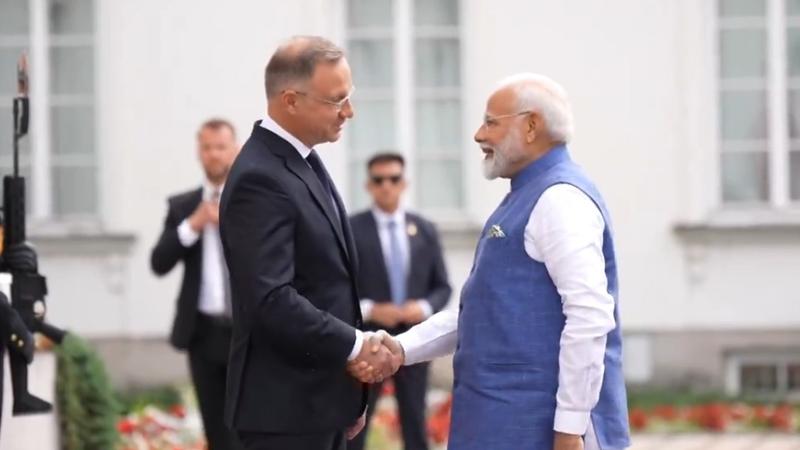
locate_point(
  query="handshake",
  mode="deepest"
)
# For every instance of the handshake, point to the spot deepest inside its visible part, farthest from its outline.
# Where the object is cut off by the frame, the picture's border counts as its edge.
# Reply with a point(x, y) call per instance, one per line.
point(380, 357)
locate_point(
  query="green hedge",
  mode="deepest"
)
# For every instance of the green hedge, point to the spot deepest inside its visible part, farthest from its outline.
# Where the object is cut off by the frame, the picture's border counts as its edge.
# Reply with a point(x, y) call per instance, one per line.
point(88, 410)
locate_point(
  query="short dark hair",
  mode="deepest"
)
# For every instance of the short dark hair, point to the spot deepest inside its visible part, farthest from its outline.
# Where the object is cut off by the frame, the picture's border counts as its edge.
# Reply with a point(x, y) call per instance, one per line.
point(216, 123)
point(295, 61)
point(386, 157)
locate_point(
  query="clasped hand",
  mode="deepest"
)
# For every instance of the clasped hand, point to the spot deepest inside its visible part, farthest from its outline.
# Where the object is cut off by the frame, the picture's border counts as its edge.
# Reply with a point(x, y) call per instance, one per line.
point(380, 357)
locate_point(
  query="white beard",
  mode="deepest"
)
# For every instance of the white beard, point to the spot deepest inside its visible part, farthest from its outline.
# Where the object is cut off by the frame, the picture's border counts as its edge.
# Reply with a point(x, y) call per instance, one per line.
point(503, 156)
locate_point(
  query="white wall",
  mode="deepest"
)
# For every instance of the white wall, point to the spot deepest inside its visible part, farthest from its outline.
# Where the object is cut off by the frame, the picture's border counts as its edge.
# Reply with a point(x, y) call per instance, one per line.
point(639, 73)
point(619, 62)
point(163, 68)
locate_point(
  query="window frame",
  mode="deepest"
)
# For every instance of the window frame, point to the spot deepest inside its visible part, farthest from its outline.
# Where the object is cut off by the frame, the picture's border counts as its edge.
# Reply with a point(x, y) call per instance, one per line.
point(405, 94)
point(40, 41)
point(777, 86)
point(780, 359)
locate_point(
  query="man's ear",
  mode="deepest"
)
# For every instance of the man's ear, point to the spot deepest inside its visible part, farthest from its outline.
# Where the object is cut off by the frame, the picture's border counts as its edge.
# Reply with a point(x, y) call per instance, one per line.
point(533, 125)
point(289, 100)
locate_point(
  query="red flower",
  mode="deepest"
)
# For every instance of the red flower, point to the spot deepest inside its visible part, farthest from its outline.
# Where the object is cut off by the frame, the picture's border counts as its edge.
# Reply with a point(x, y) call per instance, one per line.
point(760, 414)
point(781, 418)
point(388, 387)
point(716, 418)
point(178, 410)
point(738, 412)
point(666, 412)
point(711, 417)
point(439, 422)
point(125, 426)
point(638, 419)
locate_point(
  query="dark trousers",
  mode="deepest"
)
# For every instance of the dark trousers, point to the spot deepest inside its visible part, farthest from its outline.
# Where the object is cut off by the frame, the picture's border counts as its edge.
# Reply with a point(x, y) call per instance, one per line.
point(272, 441)
point(208, 364)
point(411, 384)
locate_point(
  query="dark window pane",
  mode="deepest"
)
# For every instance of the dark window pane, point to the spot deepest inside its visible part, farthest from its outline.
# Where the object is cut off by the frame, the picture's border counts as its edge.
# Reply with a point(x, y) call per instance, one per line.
point(437, 63)
point(759, 378)
point(369, 13)
point(72, 130)
point(439, 184)
point(744, 115)
point(742, 8)
point(72, 70)
point(71, 16)
point(744, 177)
point(436, 12)
point(74, 191)
point(14, 17)
point(794, 377)
point(743, 53)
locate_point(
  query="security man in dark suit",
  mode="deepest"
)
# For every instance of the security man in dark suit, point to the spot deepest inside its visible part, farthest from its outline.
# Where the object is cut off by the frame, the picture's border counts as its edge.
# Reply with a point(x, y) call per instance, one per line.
point(203, 317)
point(402, 281)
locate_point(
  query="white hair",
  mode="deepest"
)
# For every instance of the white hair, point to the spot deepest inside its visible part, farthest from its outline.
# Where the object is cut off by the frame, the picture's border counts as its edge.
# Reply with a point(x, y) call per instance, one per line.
point(542, 95)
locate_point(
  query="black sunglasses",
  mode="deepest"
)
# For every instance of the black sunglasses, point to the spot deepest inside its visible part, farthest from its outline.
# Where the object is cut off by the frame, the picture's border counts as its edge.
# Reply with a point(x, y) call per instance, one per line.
point(378, 179)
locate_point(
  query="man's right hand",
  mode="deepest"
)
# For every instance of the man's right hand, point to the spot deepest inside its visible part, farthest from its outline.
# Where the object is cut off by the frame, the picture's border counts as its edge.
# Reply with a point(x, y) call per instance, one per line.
point(381, 356)
point(206, 212)
point(386, 314)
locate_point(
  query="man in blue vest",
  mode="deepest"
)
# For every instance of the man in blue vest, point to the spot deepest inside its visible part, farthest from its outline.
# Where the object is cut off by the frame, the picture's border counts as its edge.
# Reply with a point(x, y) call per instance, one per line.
point(537, 341)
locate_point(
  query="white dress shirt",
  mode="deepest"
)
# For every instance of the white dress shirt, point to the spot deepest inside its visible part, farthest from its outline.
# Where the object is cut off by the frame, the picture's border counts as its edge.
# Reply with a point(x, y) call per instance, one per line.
point(565, 232)
point(304, 151)
point(382, 220)
point(212, 284)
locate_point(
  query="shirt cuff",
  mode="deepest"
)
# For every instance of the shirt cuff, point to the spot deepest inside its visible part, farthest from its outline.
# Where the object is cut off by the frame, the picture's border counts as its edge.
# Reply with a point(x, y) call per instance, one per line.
point(407, 341)
point(366, 305)
point(357, 345)
point(186, 234)
point(571, 422)
point(427, 309)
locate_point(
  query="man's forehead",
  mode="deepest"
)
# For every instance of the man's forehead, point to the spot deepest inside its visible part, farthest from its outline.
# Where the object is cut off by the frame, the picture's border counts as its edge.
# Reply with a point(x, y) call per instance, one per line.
point(332, 76)
point(388, 166)
point(214, 132)
point(501, 101)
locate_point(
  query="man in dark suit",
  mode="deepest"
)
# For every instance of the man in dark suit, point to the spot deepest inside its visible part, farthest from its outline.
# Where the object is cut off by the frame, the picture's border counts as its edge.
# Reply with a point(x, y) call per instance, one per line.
point(402, 282)
point(203, 319)
point(293, 265)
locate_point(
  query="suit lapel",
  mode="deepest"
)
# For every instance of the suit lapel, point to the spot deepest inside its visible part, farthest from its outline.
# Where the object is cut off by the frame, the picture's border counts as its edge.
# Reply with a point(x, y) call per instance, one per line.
point(194, 201)
point(299, 167)
point(415, 245)
point(347, 231)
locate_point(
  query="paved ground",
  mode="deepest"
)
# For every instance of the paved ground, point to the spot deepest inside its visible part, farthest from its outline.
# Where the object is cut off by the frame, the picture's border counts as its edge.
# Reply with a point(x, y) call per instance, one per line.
point(716, 442)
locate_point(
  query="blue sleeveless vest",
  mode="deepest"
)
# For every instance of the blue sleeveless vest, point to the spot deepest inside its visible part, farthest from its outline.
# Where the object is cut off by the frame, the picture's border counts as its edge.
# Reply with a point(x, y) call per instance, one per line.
point(509, 329)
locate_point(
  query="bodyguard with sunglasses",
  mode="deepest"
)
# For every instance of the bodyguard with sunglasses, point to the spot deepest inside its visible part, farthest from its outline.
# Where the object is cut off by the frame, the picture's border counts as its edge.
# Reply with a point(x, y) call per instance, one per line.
point(402, 281)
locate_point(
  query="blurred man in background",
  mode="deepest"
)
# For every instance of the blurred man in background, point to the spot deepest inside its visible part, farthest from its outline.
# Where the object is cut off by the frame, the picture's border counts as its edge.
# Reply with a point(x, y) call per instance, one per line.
point(402, 282)
point(203, 315)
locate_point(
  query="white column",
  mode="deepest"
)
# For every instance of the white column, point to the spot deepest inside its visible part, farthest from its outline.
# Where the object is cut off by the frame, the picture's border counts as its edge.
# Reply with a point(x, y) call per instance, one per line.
point(777, 95)
point(39, 184)
point(404, 89)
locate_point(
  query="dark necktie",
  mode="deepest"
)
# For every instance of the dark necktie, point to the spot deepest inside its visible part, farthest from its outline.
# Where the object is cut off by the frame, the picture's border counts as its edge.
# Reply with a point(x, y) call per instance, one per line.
point(316, 165)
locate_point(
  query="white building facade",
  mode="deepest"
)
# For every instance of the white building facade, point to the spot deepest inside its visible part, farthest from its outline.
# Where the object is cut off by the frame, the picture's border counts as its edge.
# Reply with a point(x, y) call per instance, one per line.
point(687, 116)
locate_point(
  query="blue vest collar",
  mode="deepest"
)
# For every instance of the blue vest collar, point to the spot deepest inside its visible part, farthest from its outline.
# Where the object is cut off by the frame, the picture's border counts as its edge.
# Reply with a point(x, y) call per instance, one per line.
point(554, 156)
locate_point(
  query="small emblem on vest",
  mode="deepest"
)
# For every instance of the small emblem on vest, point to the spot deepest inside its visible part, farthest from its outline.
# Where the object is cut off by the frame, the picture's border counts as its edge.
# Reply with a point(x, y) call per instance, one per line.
point(411, 229)
point(495, 232)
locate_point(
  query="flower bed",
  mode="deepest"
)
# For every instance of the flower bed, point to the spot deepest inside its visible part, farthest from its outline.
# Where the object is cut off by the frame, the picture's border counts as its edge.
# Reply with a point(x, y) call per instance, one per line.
point(161, 419)
point(717, 416)
point(155, 429)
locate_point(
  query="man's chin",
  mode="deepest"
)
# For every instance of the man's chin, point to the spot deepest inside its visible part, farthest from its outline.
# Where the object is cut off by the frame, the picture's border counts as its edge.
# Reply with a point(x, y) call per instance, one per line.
point(490, 170)
point(334, 136)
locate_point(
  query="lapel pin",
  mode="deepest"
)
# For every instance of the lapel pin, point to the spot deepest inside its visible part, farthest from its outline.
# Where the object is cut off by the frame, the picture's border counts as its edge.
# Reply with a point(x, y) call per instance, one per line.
point(496, 232)
point(411, 229)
